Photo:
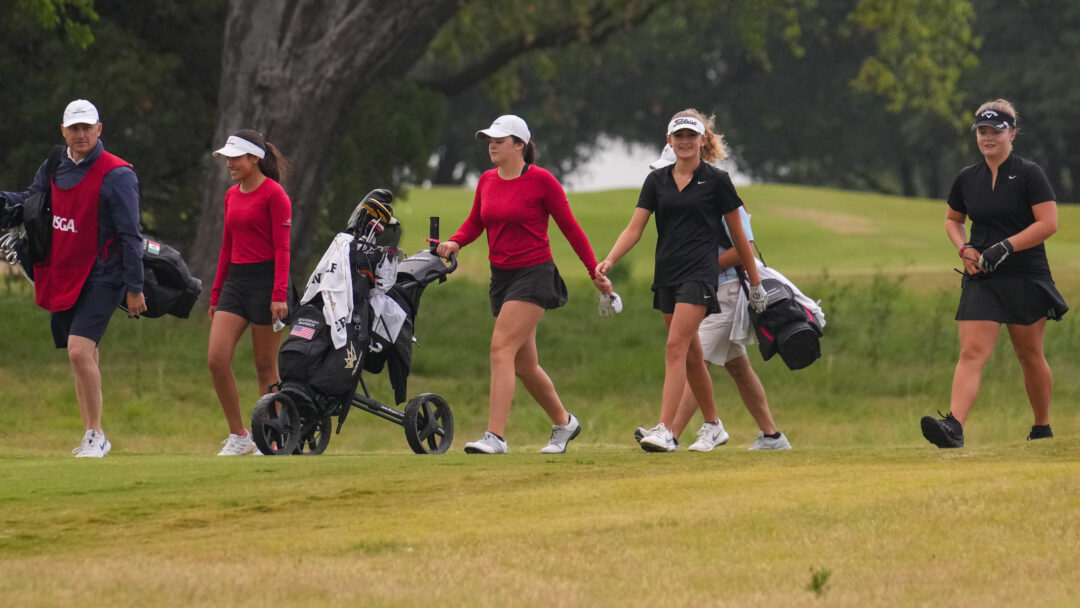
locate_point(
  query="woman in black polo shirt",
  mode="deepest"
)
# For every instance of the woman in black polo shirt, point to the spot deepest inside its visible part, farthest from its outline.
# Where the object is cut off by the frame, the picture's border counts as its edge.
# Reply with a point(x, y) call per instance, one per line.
point(1006, 275)
point(690, 200)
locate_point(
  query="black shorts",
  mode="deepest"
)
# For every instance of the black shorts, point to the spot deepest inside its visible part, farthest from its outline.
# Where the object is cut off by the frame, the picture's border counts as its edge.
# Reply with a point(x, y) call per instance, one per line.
point(691, 292)
point(90, 316)
point(1007, 299)
point(539, 284)
point(247, 292)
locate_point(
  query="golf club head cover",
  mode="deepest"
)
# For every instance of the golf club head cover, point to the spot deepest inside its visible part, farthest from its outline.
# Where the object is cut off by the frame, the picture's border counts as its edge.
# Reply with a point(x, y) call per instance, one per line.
point(995, 255)
point(758, 298)
point(377, 203)
point(608, 305)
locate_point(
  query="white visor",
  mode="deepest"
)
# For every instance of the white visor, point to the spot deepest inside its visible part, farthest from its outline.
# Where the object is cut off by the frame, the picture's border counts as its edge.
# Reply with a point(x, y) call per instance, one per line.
point(238, 146)
point(686, 122)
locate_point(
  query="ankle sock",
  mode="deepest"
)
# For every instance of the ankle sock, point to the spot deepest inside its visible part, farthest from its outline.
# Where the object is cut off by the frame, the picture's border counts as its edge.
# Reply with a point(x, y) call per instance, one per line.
point(775, 435)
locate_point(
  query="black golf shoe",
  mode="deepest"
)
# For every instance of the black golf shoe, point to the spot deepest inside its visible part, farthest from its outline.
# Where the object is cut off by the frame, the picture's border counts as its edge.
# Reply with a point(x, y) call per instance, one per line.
point(1040, 431)
point(945, 432)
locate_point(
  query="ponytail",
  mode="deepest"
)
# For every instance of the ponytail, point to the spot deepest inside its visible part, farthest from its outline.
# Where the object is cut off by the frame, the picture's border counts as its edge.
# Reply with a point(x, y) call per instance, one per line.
point(273, 164)
point(528, 152)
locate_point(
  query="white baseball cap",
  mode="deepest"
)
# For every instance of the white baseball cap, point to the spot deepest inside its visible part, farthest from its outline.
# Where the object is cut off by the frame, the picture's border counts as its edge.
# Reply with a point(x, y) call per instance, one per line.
point(238, 146)
point(80, 111)
point(506, 125)
point(686, 122)
point(667, 157)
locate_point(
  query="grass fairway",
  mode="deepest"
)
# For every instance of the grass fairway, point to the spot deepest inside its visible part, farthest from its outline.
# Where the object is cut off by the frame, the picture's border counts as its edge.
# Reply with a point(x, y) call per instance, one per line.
point(597, 527)
point(862, 512)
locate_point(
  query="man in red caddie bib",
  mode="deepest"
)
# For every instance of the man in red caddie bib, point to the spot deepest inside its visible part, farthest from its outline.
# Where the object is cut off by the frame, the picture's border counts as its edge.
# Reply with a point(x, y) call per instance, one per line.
point(95, 256)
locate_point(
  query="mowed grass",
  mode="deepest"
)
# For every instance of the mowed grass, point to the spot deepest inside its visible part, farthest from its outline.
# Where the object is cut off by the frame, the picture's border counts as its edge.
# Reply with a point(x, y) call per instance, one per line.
point(863, 506)
point(597, 527)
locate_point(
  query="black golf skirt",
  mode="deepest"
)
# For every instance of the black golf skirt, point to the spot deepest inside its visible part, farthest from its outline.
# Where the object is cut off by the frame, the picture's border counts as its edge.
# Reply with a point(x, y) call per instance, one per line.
point(247, 292)
point(1013, 300)
point(540, 284)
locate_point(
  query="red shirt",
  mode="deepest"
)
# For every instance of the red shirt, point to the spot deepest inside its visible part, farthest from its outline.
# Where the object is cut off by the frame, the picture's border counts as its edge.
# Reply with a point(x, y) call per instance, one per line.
point(515, 213)
point(257, 228)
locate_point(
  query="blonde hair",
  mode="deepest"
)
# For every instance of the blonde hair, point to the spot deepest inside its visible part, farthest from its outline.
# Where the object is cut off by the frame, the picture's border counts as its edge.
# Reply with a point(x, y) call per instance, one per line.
point(1001, 105)
point(714, 150)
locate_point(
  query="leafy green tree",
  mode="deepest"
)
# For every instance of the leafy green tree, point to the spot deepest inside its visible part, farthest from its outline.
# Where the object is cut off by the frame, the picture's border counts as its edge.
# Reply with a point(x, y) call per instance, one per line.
point(1029, 57)
point(852, 73)
point(145, 68)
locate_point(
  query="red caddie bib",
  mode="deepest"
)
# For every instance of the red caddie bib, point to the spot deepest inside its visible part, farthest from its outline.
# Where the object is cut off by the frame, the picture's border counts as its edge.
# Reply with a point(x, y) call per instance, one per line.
point(59, 279)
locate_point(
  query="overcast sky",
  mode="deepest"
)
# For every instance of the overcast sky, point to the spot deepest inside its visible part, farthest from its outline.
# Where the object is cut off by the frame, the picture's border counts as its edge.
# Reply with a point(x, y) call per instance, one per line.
point(620, 166)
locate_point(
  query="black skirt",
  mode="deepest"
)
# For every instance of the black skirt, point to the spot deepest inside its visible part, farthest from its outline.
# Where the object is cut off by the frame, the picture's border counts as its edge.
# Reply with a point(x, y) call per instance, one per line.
point(1013, 300)
point(540, 284)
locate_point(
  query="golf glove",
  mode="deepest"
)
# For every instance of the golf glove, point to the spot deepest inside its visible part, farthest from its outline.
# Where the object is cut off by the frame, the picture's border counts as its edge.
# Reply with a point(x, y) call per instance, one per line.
point(607, 305)
point(759, 298)
point(995, 255)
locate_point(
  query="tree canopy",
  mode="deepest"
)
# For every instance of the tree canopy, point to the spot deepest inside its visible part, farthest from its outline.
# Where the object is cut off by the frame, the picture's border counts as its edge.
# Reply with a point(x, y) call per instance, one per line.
point(870, 94)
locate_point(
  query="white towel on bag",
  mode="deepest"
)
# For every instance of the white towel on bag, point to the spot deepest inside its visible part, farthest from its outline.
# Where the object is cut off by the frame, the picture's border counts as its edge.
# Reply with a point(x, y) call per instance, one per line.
point(332, 278)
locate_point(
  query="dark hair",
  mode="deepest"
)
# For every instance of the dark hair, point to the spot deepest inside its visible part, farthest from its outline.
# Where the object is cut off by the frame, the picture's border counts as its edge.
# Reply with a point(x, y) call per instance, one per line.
point(274, 164)
point(530, 150)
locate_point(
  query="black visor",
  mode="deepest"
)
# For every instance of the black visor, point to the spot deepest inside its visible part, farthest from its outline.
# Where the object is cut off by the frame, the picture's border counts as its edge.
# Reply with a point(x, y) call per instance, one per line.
point(993, 118)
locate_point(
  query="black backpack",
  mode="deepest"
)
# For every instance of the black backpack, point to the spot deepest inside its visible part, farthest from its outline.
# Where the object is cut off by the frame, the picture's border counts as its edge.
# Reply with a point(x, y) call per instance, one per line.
point(786, 327)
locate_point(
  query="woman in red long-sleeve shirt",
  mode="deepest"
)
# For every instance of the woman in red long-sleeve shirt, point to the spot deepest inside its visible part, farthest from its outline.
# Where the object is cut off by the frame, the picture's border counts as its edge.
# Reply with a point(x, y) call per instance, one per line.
point(252, 282)
point(513, 203)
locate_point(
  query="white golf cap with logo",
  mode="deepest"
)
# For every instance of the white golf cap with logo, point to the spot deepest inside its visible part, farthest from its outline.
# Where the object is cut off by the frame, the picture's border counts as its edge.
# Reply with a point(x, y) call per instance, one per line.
point(667, 157)
point(80, 111)
point(505, 126)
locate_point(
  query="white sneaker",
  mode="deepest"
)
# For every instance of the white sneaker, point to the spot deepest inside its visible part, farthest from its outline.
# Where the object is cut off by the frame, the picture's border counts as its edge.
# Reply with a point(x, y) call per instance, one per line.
point(659, 439)
point(238, 445)
point(94, 445)
point(768, 443)
point(710, 435)
point(561, 435)
point(488, 444)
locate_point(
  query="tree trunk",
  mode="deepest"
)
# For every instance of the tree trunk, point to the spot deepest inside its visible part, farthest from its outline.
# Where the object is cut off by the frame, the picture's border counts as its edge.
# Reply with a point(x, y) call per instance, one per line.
point(291, 75)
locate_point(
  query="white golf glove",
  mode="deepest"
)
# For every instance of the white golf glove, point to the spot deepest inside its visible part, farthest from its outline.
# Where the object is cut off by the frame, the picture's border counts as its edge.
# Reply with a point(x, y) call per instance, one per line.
point(759, 298)
point(608, 305)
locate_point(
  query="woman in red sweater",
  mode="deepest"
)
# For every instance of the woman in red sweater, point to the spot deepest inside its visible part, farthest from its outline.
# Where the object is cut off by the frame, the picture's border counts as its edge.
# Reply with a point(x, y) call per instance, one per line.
point(252, 281)
point(513, 203)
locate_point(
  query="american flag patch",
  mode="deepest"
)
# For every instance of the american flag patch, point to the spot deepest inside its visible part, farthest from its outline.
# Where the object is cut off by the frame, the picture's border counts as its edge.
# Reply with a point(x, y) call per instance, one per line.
point(306, 333)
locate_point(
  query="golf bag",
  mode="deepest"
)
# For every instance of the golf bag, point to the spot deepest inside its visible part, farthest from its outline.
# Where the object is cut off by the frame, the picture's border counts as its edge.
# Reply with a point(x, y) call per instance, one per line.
point(786, 327)
point(168, 284)
point(308, 354)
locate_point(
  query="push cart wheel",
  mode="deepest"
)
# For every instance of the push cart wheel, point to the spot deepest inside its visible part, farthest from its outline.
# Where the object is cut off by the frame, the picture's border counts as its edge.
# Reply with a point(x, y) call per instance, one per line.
point(315, 440)
point(275, 424)
point(429, 424)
